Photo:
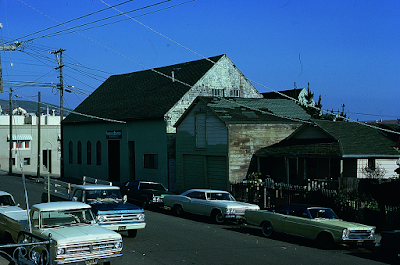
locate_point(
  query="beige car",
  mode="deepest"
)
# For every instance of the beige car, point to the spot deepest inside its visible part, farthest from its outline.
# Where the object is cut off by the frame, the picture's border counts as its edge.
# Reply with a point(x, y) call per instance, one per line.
point(318, 223)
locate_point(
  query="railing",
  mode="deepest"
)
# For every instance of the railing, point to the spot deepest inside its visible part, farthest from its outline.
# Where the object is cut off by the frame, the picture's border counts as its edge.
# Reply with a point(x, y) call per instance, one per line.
point(30, 249)
point(268, 194)
point(89, 180)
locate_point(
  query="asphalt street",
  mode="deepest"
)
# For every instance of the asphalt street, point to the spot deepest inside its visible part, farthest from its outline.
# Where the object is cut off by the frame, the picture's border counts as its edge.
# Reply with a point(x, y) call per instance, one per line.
point(168, 239)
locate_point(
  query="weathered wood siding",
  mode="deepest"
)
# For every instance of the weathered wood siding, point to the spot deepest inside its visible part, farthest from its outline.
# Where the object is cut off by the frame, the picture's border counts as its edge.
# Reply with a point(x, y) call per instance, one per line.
point(223, 75)
point(201, 167)
point(246, 139)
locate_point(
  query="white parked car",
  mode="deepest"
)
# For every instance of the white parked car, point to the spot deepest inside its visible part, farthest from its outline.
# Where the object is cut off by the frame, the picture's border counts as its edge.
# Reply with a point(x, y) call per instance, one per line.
point(219, 205)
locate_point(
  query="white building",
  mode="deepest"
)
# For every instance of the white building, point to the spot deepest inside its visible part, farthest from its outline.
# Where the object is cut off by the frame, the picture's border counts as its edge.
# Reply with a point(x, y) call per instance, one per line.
point(28, 151)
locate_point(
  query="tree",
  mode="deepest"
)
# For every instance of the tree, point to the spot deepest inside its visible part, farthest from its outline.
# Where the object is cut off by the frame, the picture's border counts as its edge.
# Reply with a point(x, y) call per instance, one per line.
point(314, 109)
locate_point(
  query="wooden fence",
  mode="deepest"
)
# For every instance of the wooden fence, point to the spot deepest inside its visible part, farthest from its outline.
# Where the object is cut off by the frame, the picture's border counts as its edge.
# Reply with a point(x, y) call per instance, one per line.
point(268, 194)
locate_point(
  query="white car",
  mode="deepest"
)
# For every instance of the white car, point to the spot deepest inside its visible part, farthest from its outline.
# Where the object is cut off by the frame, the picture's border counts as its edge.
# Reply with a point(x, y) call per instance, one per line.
point(219, 205)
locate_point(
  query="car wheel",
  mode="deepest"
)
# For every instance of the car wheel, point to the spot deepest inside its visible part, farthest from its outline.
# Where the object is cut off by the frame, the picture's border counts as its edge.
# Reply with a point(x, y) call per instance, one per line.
point(267, 229)
point(178, 210)
point(218, 217)
point(132, 233)
point(325, 241)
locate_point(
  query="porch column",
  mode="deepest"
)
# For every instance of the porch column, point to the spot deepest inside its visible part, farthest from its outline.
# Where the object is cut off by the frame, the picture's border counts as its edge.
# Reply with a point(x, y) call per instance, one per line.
point(287, 169)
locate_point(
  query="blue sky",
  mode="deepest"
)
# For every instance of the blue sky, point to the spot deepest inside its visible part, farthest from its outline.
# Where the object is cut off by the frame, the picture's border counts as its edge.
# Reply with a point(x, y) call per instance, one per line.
point(348, 51)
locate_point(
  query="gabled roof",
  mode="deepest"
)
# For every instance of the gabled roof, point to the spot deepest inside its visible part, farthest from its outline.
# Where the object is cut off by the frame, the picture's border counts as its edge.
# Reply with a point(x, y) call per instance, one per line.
point(251, 110)
point(341, 139)
point(141, 95)
point(293, 93)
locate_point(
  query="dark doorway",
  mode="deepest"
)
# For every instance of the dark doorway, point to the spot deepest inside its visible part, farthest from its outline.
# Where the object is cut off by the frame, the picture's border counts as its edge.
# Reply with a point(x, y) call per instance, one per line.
point(114, 171)
point(47, 159)
point(131, 146)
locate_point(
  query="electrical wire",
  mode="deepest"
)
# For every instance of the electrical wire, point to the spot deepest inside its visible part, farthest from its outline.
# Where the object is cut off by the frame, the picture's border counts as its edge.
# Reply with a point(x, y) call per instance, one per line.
point(169, 39)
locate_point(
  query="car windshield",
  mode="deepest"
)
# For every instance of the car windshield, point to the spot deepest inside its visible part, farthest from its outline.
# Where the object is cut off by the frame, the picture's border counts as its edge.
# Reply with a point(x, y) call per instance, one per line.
point(223, 196)
point(151, 186)
point(6, 200)
point(103, 195)
point(323, 213)
point(66, 218)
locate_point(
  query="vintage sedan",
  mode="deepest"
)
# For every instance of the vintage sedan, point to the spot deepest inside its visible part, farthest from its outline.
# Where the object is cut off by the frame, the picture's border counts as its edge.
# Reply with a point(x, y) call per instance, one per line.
point(318, 223)
point(145, 193)
point(219, 205)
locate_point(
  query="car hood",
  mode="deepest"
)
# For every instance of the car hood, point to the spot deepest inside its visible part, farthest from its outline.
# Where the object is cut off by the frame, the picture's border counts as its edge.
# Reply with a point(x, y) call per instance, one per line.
point(344, 224)
point(118, 207)
point(81, 233)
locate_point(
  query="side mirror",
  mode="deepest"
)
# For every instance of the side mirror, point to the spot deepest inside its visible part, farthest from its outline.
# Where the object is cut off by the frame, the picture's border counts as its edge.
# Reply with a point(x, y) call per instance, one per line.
point(74, 199)
point(125, 198)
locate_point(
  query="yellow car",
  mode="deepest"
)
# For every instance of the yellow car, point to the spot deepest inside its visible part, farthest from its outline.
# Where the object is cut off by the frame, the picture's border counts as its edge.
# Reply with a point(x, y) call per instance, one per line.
point(318, 223)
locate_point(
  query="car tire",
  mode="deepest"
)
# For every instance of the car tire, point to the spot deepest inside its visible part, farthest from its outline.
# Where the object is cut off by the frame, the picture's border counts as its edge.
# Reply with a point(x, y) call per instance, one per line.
point(178, 210)
point(132, 233)
point(218, 217)
point(267, 229)
point(325, 240)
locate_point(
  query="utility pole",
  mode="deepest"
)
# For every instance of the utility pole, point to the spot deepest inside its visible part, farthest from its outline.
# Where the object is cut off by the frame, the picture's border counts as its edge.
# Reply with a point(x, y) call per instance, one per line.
point(4, 48)
point(11, 140)
point(61, 87)
point(38, 147)
point(8, 48)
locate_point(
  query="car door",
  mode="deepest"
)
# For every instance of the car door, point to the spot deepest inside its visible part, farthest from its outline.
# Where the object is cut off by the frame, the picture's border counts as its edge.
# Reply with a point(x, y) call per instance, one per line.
point(279, 217)
point(298, 221)
point(132, 190)
point(197, 203)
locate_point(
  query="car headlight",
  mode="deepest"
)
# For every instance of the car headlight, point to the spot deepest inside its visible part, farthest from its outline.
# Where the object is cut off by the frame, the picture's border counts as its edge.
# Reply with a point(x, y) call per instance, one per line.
point(345, 233)
point(101, 218)
point(118, 245)
point(372, 233)
point(60, 251)
point(141, 217)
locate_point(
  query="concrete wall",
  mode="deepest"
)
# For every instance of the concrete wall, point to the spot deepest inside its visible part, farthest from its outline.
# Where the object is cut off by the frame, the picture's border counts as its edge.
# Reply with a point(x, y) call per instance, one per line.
point(148, 137)
point(49, 141)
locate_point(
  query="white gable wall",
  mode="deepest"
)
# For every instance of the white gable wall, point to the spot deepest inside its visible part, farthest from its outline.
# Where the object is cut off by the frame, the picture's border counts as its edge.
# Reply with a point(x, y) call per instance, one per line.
point(223, 75)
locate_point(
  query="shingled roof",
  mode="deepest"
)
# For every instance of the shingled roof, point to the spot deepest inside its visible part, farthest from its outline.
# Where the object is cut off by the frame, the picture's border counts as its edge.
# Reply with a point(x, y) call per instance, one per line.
point(252, 110)
point(141, 95)
point(347, 139)
point(292, 93)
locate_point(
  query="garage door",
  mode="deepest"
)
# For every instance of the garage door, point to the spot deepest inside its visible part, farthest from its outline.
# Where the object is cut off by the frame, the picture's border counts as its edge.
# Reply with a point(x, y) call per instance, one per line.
point(193, 172)
point(217, 172)
point(195, 175)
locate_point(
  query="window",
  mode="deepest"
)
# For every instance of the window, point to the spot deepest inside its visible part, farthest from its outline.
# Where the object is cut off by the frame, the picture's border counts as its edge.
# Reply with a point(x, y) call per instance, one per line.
point(89, 153)
point(235, 93)
point(21, 144)
point(27, 161)
point(371, 163)
point(151, 161)
point(98, 153)
point(79, 152)
point(200, 130)
point(217, 92)
point(70, 152)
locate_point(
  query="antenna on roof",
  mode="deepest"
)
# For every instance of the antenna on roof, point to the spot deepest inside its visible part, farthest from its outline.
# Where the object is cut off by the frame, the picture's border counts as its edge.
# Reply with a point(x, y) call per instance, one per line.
point(173, 73)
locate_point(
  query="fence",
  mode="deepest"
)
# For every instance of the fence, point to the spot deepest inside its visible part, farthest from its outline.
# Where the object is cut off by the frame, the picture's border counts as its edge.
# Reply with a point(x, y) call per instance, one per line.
point(268, 194)
point(31, 250)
